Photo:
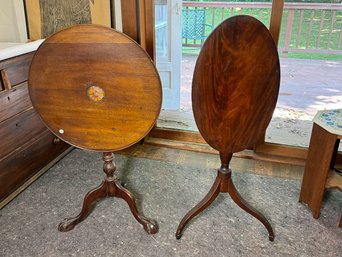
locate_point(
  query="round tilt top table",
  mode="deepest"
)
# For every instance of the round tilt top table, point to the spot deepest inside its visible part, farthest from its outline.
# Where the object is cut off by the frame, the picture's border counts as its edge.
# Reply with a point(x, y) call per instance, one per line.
point(98, 90)
point(234, 92)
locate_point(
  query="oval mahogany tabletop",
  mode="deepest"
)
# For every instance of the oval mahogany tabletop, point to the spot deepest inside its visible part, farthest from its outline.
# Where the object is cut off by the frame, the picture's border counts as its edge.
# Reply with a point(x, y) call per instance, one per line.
point(95, 88)
point(235, 84)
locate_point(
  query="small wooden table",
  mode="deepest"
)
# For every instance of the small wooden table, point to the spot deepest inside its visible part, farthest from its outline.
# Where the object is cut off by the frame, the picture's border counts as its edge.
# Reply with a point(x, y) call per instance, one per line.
point(319, 174)
point(96, 89)
point(234, 93)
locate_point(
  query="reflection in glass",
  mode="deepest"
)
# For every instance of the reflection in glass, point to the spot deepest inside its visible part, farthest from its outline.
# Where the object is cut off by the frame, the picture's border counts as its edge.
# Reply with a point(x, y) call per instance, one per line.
point(161, 30)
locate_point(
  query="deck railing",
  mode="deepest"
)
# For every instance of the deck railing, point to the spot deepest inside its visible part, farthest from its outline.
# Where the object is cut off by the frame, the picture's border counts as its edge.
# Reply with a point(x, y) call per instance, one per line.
point(310, 28)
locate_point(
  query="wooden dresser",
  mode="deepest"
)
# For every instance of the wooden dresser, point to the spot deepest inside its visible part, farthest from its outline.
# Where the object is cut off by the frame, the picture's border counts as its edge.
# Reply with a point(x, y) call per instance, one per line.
point(27, 147)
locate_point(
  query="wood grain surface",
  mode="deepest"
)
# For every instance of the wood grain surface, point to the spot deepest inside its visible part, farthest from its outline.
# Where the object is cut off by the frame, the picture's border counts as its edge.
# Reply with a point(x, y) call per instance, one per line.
point(15, 70)
point(24, 163)
point(129, 18)
point(127, 97)
point(321, 158)
point(14, 101)
point(235, 84)
point(17, 130)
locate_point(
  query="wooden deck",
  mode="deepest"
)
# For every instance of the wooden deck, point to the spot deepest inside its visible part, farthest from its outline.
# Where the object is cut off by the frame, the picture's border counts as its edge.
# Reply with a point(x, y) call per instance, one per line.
point(306, 86)
point(306, 27)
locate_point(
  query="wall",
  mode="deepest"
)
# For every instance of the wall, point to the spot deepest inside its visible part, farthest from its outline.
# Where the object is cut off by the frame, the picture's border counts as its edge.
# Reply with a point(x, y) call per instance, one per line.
point(12, 21)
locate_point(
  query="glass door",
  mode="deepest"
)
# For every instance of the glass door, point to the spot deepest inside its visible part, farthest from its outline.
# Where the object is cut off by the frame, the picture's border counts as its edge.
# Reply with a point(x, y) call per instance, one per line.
point(168, 49)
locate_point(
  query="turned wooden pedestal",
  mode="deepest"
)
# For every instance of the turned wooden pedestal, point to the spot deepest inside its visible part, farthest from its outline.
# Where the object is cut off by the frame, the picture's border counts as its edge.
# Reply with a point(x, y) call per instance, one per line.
point(96, 89)
point(110, 187)
point(223, 184)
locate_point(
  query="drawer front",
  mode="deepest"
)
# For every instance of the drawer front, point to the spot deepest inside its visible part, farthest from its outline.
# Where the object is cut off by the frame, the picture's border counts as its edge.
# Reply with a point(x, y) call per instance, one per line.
point(14, 101)
point(17, 168)
point(18, 130)
point(16, 69)
point(18, 73)
point(1, 85)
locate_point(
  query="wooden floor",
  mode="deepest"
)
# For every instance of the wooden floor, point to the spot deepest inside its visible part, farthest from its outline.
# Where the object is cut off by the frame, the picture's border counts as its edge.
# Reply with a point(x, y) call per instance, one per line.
point(212, 161)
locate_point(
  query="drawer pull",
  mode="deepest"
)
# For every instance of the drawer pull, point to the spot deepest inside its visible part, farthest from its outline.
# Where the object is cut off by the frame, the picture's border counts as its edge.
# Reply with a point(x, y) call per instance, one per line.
point(56, 141)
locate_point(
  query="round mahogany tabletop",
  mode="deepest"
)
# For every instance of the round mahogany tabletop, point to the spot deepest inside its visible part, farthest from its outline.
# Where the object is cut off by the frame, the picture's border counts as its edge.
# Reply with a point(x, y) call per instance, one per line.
point(235, 84)
point(95, 88)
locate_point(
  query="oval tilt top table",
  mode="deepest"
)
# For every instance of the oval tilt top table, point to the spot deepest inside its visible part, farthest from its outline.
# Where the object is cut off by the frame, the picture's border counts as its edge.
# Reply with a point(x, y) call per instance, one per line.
point(96, 89)
point(234, 92)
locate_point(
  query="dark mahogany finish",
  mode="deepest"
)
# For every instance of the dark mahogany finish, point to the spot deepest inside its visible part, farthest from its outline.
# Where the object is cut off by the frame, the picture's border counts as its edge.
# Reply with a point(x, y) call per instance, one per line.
point(96, 89)
point(234, 93)
point(110, 187)
point(26, 147)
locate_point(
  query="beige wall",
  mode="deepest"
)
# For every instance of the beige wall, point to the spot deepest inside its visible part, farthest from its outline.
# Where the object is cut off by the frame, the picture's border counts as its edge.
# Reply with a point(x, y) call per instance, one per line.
point(12, 21)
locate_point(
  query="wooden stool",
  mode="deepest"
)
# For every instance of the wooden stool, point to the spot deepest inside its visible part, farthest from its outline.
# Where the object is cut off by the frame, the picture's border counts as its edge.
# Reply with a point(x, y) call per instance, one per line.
point(319, 173)
point(234, 93)
point(96, 89)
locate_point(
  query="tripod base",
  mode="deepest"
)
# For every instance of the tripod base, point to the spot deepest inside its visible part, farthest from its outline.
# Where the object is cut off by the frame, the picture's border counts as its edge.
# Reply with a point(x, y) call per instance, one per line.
point(223, 183)
point(110, 187)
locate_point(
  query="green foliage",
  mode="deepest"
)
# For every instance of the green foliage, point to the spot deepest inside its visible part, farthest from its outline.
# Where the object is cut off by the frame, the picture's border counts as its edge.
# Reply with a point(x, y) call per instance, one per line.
point(305, 30)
